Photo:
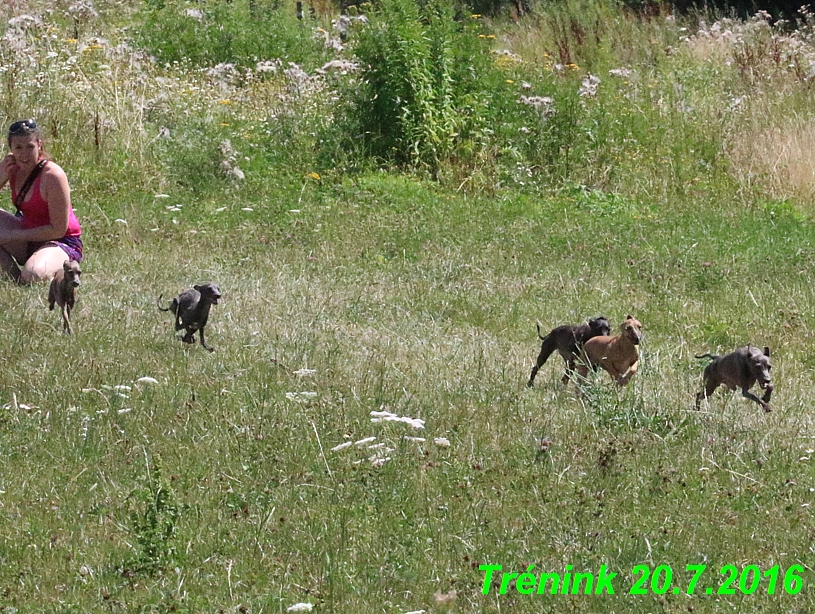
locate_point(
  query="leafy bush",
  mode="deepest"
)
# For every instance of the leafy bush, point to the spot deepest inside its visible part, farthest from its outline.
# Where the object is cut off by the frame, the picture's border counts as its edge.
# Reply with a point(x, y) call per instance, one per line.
point(425, 86)
point(241, 32)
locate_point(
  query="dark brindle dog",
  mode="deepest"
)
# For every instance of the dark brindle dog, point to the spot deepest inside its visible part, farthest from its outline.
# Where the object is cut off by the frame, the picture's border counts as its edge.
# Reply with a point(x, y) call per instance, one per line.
point(191, 309)
point(63, 291)
point(568, 340)
point(739, 369)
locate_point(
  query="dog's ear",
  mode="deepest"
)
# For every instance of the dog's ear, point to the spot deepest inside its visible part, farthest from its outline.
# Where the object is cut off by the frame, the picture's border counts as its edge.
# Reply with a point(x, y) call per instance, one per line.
point(766, 351)
point(66, 266)
point(629, 317)
point(197, 288)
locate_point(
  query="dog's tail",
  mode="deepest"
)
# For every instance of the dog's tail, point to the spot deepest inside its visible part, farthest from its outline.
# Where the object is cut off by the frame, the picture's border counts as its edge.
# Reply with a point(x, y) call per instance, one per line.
point(538, 326)
point(711, 356)
point(158, 302)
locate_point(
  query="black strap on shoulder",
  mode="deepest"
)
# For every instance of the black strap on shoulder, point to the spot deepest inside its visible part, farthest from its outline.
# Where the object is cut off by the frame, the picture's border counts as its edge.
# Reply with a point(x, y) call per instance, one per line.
point(28, 182)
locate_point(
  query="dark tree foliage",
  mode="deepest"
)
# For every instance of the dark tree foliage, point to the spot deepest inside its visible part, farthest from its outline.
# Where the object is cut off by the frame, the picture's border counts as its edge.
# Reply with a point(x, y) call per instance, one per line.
point(779, 9)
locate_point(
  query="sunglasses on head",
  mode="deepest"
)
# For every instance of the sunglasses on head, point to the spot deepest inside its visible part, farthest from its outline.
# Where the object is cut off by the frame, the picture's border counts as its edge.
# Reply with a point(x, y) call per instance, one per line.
point(24, 126)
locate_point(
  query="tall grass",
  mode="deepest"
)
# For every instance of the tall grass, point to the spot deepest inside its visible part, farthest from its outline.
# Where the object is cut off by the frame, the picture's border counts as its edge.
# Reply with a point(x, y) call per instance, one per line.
point(351, 289)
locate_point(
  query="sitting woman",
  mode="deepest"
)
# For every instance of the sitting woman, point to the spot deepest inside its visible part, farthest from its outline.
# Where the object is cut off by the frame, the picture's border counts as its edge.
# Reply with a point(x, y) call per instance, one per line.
point(44, 233)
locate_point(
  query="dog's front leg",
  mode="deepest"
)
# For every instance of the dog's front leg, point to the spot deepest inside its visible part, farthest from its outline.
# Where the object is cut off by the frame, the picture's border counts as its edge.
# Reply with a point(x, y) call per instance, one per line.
point(749, 395)
point(66, 321)
point(768, 391)
point(626, 377)
point(201, 333)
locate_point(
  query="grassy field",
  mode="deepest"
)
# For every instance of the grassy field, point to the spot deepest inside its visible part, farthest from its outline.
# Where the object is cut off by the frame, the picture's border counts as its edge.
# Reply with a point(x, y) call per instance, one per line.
point(216, 483)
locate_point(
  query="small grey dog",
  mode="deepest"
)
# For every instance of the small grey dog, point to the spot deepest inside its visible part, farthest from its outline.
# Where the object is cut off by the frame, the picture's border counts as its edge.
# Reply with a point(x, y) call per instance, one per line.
point(568, 340)
point(191, 310)
point(739, 369)
point(63, 291)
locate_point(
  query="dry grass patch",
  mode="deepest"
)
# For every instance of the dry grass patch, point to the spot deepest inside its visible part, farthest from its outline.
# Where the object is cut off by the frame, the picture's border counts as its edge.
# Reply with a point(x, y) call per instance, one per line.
point(781, 159)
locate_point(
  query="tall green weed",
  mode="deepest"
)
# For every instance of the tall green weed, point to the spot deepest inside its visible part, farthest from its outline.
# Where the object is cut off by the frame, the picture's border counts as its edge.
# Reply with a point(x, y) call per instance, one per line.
point(423, 94)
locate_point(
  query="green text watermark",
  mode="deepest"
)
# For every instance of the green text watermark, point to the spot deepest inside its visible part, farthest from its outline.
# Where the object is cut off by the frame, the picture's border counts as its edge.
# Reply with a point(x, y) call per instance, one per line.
point(643, 580)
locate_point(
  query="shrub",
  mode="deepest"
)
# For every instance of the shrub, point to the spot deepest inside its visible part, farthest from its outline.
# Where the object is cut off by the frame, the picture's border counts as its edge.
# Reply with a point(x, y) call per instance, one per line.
point(241, 32)
point(424, 92)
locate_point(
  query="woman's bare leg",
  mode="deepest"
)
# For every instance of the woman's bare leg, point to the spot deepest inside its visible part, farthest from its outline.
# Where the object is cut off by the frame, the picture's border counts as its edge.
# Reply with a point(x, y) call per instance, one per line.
point(43, 264)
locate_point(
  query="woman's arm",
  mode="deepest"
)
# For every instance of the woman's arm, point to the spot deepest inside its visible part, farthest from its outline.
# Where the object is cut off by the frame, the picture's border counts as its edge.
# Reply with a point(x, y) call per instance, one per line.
point(5, 166)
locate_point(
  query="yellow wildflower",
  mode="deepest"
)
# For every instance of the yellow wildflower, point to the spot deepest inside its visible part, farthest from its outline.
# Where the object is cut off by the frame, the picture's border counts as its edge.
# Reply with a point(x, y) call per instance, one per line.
point(225, 101)
point(476, 16)
point(313, 175)
point(510, 81)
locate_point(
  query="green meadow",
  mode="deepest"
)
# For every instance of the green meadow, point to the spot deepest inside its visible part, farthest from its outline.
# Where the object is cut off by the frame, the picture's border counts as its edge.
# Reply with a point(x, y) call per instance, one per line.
point(388, 215)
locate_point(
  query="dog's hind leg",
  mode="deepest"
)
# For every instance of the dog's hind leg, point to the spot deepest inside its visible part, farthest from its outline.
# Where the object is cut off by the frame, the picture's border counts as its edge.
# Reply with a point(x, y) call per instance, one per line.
point(710, 388)
point(547, 347)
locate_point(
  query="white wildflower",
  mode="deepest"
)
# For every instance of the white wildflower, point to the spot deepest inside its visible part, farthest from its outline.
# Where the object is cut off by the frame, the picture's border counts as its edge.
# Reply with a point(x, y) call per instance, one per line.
point(341, 66)
point(304, 372)
point(362, 442)
point(271, 66)
point(342, 446)
point(506, 53)
point(416, 423)
point(542, 104)
point(196, 14)
point(22, 22)
point(378, 461)
point(588, 89)
point(296, 396)
point(442, 441)
point(300, 607)
point(341, 24)
point(228, 163)
point(625, 73)
point(83, 10)
point(414, 439)
point(147, 380)
point(386, 416)
point(122, 387)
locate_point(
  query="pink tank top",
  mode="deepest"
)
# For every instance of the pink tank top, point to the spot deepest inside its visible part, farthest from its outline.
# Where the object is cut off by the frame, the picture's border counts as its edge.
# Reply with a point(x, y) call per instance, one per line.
point(35, 210)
